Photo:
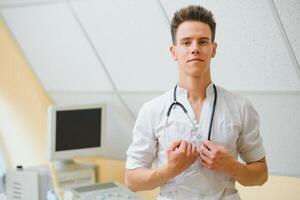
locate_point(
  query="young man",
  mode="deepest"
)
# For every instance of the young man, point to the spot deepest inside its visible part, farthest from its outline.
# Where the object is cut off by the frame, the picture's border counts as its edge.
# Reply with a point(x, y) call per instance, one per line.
point(176, 138)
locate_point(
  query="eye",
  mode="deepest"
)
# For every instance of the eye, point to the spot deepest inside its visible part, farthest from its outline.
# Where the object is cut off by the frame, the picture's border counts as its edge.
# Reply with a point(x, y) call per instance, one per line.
point(203, 42)
point(186, 43)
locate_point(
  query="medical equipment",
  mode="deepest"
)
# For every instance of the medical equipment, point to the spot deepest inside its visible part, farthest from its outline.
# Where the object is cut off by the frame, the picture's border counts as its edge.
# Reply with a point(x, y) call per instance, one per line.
point(85, 121)
point(31, 183)
point(109, 191)
point(72, 175)
point(194, 130)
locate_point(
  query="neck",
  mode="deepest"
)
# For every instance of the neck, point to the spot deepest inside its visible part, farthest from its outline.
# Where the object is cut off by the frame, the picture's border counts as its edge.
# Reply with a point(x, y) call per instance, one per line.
point(196, 87)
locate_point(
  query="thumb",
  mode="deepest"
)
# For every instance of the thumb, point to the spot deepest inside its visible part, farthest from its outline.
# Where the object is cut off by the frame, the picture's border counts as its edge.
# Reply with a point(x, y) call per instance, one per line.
point(174, 145)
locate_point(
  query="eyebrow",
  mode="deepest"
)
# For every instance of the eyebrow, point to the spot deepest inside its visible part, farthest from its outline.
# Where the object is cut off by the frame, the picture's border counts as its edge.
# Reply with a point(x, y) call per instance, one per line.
point(188, 38)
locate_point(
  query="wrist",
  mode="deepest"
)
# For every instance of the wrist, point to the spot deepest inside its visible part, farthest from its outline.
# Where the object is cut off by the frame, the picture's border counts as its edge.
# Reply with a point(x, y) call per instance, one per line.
point(234, 171)
point(166, 172)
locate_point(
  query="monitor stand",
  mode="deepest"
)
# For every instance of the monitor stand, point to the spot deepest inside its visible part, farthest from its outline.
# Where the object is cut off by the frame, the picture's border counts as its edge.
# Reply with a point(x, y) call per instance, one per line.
point(71, 174)
point(66, 165)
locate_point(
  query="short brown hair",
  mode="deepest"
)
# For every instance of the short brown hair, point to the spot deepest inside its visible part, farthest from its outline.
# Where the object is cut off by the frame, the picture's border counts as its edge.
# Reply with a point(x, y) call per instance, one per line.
point(193, 13)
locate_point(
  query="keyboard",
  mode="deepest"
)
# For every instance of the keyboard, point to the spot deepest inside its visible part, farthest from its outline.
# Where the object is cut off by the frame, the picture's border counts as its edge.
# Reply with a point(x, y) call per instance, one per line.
point(103, 191)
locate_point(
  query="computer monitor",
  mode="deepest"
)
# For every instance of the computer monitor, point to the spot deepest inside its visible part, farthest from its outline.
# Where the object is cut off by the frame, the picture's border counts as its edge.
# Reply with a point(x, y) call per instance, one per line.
point(75, 130)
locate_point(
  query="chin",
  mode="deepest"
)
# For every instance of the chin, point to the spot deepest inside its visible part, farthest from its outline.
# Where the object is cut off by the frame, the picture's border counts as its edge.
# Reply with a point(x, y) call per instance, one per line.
point(195, 73)
point(194, 70)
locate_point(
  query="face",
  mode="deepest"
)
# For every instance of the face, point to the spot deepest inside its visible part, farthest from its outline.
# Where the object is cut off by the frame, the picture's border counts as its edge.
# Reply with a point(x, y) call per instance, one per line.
point(193, 49)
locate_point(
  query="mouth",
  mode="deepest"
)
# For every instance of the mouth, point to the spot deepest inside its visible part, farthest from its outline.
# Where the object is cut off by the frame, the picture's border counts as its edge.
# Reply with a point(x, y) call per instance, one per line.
point(195, 60)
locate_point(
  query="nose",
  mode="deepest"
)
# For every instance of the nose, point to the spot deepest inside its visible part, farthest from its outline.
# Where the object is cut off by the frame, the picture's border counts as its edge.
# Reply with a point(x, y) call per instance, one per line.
point(195, 51)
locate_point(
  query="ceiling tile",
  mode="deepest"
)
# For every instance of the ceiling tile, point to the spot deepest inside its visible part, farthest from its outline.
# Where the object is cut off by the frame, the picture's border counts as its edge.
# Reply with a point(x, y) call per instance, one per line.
point(56, 48)
point(133, 39)
point(290, 18)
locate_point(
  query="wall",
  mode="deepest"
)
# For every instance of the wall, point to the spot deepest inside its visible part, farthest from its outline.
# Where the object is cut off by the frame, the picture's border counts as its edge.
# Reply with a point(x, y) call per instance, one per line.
point(23, 107)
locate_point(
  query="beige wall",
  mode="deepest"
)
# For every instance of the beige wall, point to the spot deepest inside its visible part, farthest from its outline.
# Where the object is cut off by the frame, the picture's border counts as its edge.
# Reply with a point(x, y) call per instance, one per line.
point(23, 106)
point(23, 114)
point(277, 187)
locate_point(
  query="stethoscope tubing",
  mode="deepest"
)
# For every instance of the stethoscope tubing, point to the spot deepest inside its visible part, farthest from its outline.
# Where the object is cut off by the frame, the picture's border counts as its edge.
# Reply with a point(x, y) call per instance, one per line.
point(175, 102)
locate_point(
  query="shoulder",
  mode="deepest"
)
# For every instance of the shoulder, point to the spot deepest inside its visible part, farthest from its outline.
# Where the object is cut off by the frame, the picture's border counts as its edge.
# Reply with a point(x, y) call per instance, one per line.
point(239, 106)
point(233, 98)
point(157, 105)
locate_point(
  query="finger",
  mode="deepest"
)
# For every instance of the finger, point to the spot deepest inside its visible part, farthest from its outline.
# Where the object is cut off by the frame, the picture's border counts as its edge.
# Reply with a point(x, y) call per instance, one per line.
point(205, 165)
point(189, 148)
point(207, 152)
point(210, 145)
point(201, 147)
point(205, 159)
point(204, 149)
point(183, 146)
point(194, 149)
point(195, 152)
point(174, 145)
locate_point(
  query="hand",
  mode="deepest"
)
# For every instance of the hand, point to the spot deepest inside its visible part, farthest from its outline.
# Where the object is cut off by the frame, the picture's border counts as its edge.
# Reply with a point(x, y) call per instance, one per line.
point(216, 157)
point(181, 154)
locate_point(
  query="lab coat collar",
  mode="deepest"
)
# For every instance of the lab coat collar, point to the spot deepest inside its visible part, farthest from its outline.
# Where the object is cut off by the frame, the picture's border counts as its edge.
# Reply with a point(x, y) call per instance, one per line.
point(184, 92)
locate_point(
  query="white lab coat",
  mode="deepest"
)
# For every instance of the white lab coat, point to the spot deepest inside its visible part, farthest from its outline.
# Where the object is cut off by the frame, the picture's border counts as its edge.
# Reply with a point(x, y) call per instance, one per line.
point(236, 127)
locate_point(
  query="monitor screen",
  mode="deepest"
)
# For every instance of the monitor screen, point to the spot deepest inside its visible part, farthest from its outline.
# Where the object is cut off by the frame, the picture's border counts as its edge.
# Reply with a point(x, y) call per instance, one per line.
point(77, 129)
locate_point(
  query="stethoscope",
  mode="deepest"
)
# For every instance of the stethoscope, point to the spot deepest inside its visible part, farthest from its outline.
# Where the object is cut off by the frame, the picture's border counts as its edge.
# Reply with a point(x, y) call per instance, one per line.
point(175, 102)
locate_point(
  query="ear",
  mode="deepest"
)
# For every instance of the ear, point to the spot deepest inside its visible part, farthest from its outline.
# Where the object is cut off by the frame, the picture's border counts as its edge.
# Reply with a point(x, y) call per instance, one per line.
point(214, 49)
point(173, 52)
